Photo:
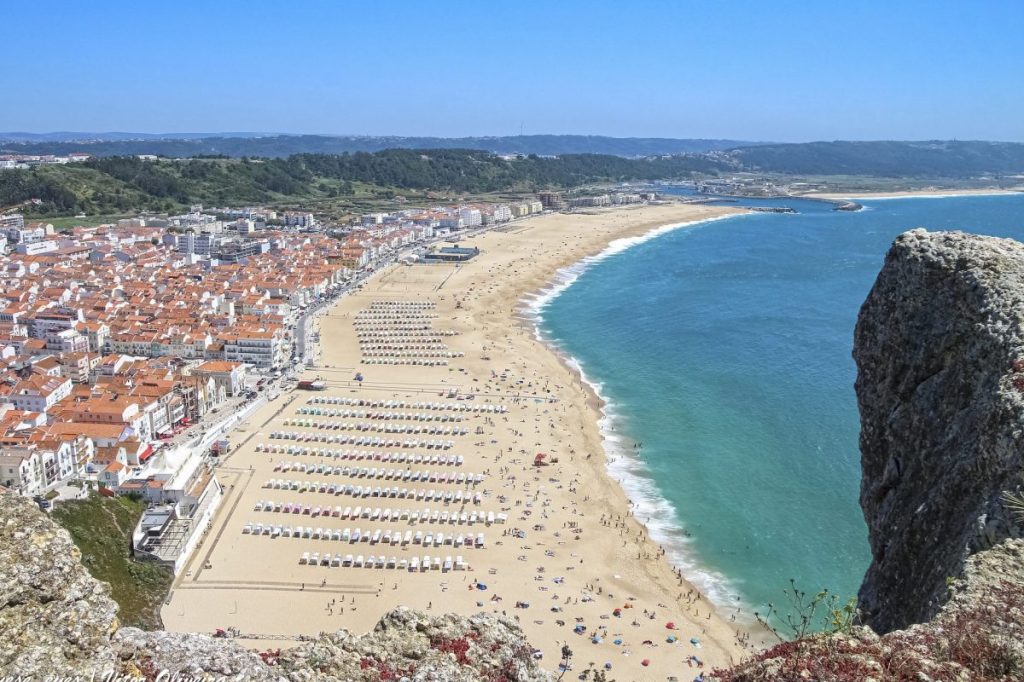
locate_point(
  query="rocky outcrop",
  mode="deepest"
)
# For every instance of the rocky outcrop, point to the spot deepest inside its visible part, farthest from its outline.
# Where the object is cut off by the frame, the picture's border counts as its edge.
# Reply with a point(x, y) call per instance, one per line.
point(939, 346)
point(56, 620)
point(53, 616)
point(978, 636)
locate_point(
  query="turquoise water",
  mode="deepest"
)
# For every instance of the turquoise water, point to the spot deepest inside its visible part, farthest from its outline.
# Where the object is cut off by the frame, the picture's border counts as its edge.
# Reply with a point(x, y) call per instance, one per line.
point(725, 350)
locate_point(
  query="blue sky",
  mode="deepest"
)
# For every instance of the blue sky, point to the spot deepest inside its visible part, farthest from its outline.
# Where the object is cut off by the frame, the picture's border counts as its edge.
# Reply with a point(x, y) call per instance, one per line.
point(742, 70)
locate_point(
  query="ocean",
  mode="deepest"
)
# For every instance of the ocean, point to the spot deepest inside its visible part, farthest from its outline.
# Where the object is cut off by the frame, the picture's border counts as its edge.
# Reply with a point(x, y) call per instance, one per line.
point(724, 351)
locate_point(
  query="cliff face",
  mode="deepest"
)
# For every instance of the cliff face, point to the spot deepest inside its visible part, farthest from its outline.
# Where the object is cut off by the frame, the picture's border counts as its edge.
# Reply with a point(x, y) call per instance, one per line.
point(939, 347)
point(978, 636)
point(56, 620)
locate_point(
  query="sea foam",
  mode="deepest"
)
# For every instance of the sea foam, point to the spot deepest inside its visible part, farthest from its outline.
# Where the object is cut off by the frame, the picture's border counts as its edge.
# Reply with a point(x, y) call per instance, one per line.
point(658, 514)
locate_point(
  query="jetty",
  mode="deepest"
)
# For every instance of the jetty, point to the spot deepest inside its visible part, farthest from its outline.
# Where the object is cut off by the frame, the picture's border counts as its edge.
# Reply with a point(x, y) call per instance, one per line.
point(771, 209)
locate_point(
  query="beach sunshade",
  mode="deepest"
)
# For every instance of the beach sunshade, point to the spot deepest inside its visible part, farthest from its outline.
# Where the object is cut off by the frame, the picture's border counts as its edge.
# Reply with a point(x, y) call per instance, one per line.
point(646, 662)
point(670, 625)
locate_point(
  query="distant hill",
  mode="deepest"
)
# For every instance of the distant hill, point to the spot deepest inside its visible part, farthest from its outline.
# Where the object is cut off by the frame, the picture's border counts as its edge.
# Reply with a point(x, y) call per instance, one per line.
point(109, 184)
point(937, 158)
point(64, 136)
point(125, 184)
point(275, 145)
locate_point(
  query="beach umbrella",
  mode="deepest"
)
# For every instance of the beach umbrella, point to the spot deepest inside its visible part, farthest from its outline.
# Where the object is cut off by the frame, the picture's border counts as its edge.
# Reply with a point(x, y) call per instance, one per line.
point(595, 639)
point(618, 642)
point(608, 666)
point(671, 639)
point(694, 641)
point(670, 625)
point(646, 662)
point(617, 613)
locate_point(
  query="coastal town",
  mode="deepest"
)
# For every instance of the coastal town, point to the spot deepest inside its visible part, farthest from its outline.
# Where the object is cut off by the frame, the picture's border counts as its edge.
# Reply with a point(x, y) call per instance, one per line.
point(673, 342)
point(130, 349)
point(360, 395)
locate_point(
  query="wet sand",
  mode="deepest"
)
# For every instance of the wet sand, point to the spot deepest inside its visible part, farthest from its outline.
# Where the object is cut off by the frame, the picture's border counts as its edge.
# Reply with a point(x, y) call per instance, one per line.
point(570, 552)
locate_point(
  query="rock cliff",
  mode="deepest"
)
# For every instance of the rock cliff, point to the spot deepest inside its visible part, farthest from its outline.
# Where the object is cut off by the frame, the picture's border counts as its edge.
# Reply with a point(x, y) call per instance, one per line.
point(939, 346)
point(978, 636)
point(56, 620)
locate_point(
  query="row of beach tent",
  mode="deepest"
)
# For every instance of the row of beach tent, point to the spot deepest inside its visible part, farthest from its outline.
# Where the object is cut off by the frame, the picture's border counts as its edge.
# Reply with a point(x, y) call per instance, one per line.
point(403, 404)
point(407, 316)
point(425, 327)
point(336, 489)
point(413, 516)
point(388, 344)
point(419, 335)
point(411, 354)
point(386, 416)
point(393, 537)
point(414, 475)
point(379, 428)
point(391, 303)
point(413, 565)
point(361, 455)
point(403, 361)
point(374, 441)
point(370, 536)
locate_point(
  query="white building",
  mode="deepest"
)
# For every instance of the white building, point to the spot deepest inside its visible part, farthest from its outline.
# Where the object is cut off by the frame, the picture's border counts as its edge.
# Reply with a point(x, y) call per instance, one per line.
point(470, 217)
point(40, 393)
point(502, 213)
point(36, 247)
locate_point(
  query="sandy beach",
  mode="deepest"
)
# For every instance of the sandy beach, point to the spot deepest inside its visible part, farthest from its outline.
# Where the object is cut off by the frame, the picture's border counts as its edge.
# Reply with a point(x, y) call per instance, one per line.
point(906, 194)
point(568, 556)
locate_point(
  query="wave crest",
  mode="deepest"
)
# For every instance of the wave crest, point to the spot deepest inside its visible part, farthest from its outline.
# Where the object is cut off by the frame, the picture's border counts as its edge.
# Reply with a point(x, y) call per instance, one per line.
point(657, 513)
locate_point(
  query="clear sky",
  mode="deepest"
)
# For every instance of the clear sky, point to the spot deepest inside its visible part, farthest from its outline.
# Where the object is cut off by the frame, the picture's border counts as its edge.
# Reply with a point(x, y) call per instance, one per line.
point(759, 70)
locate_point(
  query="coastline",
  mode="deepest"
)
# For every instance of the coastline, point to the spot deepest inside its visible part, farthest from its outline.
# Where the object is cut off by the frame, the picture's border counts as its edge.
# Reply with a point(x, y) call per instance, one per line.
point(623, 466)
point(615, 558)
point(911, 194)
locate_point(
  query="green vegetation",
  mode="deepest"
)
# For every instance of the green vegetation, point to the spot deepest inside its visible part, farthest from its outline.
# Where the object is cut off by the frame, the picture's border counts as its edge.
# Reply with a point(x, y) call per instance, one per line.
point(102, 528)
point(337, 184)
point(112, 185)
point(66, 223)
point(822, 611)
point(1015, 503)
point(933, 159)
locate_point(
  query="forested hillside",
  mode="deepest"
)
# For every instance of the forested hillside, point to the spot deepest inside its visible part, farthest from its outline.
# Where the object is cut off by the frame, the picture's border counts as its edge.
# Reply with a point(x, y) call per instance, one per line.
point(935, 159)
point(117, 184)
point(121, 184)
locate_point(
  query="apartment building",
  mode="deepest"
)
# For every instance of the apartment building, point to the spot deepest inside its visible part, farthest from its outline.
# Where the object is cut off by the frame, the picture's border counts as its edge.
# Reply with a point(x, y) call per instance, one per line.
point(229, 377)
point(263, 348)
point(39, 393)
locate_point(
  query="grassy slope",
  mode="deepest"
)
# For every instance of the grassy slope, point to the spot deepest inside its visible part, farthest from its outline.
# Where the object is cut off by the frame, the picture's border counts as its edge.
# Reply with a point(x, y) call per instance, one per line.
point(101, 528)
